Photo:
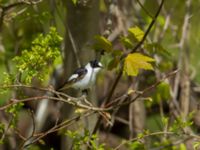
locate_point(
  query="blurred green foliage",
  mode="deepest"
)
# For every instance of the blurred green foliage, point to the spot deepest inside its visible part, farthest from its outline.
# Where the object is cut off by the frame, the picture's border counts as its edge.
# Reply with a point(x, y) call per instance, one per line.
point(81, 140)
point(35, 53)
point(14, 110)
point(36, 61)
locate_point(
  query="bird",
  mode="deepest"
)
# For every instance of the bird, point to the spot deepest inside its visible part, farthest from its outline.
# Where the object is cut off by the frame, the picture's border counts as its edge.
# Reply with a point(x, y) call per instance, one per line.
point(83, 78)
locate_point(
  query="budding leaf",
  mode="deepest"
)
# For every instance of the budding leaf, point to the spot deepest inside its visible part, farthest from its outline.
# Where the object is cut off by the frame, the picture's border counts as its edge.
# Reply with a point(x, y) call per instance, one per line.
point(134, 62)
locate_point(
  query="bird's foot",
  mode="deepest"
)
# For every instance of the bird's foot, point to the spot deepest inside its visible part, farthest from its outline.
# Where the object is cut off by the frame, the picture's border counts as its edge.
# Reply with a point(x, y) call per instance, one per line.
point(85, 92)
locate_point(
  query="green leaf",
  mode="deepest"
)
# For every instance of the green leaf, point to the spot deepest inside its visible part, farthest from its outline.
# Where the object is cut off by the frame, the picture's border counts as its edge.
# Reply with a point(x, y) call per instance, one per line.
point(163, 89)
point(36, 61)
point(196, 145)
point(74, 2)
point(136, 145)
point(14, 111)
point(165, 58)
point(134, 62)
point(126, 42)
point(136, 32)
point(106, 59)
point(165, 121)
point(102, 6)
point(161, 20)
point(182, 147)
point(113, 63)
point(2, 128)
point(117, 53)
point(156, 48)
point(101, 43)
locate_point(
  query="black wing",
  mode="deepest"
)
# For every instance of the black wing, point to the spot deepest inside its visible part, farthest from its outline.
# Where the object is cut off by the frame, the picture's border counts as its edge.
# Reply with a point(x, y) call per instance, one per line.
point(80, 72)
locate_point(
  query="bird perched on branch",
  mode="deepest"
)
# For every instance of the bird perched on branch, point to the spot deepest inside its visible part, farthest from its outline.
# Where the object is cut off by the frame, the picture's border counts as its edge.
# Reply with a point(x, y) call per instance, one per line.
point(83, 78)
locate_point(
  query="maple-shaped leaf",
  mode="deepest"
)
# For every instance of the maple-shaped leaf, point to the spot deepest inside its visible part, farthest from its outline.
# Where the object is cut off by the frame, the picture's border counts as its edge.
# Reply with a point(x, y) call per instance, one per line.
point(136, 32)
point(135, 61)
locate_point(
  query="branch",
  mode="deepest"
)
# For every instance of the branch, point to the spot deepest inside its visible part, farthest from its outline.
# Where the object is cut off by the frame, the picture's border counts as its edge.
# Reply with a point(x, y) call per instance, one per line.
point(143, 8)
point(56, 128)
point(145, 90)
point(145, 136)
point(74, 48)
point(5, 9)
point(76, 101)
point(90, 110)
point(121, 70)
point(150, 27)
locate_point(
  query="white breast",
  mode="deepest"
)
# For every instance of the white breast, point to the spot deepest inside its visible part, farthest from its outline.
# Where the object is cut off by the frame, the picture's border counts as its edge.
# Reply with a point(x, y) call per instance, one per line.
point(88, 80)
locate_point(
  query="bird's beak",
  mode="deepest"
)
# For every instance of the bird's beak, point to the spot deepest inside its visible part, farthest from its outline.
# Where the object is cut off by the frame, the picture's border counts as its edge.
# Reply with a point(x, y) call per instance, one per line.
point(100, 66)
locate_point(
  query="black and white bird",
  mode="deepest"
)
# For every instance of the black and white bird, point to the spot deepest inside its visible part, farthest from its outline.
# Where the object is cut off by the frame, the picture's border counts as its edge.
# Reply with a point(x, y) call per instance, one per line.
point(83, 78)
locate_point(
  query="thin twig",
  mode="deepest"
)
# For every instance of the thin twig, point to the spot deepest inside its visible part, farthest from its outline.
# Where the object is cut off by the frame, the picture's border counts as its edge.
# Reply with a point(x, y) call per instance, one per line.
point(145, 136)
point(143, 8)
point(121, 70)
point(74, 48)
point(5, 9)
point(74, 102)
point(58, 127)
point(89, 111)
point(146, 90)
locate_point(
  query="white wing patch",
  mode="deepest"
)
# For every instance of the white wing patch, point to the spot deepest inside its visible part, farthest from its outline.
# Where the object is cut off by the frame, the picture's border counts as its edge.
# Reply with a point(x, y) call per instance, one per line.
point(74, 76)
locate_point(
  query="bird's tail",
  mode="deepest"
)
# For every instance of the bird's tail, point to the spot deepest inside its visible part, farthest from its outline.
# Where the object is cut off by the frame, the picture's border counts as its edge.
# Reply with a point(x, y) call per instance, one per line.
point(65, 87)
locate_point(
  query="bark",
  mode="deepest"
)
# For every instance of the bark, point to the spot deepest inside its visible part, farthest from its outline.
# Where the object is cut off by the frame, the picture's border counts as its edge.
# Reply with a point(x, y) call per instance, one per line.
point(184, 77)
point(136, 117)
point(82, 23)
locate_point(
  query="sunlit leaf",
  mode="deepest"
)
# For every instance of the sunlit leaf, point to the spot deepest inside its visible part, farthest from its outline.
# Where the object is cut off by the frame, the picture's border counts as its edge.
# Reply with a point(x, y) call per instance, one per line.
point(136, 145)
point(182, 147)
point(136, 32)
point(196, 145)
point(161, 20)
point(136, 61)
point(43, 51)
point(101, 43)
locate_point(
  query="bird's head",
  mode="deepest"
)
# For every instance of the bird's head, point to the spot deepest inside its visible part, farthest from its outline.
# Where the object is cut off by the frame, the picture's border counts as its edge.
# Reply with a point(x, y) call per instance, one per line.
point(95, 65)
